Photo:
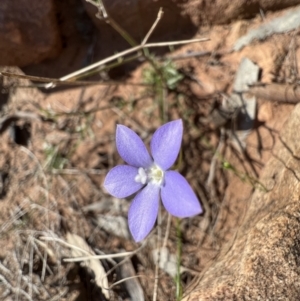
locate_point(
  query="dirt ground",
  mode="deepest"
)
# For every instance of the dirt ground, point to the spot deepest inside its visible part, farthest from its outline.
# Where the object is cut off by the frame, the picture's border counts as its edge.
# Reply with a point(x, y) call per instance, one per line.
point(58, 145)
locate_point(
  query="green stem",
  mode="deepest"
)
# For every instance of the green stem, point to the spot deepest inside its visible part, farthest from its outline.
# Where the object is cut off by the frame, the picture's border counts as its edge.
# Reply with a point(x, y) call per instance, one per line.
point(178, 262)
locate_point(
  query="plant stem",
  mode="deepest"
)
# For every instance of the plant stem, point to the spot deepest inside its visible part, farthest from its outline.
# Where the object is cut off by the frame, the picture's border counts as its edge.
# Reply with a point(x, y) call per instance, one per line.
point(178, 262)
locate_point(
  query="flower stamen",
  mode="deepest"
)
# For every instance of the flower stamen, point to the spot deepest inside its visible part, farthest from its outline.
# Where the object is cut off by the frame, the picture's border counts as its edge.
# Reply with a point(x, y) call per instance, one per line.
point(153, 174)
point(141, 177)
point(156, 175)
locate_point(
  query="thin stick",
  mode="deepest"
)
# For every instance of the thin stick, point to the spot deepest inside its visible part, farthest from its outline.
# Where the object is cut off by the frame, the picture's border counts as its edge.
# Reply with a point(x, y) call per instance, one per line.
point(43, 258)
point(48, 238)
point(186, 55)
point(167, 231)
point(99, 5)
point(123, 280)
point(78, 171)
point(109, 20)
point(60, 82)
point(73, 75)
point(159, 16)
point(83, 258)
point(277, 92)
point(154, 298)
point(165, 104)
point(178, 261)
point(30, 266)
point(129, 256)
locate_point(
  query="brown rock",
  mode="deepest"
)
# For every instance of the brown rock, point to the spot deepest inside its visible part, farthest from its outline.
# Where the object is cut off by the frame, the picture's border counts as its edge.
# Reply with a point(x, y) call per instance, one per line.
point(180, 16)
point(136, 17)
point(28, 32)
point(225, 11)
point(265, 112)
point(262, 261)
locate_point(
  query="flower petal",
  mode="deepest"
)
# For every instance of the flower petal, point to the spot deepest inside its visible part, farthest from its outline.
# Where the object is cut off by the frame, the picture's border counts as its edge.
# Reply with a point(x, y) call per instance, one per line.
point(120, 182)
point(143, 212)
point(178, 197)
point(166, 142)
point(131, 148)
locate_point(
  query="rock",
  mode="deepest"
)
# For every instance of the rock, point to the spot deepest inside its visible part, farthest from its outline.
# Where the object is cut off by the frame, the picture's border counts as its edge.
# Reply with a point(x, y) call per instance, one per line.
point(265, 112)
point(220, 12)
point(136, 17)
point(262, 260)
point(28, 32)
point(285, 23)
point(180, 16)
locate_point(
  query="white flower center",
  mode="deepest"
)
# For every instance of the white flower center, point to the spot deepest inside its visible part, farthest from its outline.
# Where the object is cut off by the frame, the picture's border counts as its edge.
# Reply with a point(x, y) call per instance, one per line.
point(154, 174)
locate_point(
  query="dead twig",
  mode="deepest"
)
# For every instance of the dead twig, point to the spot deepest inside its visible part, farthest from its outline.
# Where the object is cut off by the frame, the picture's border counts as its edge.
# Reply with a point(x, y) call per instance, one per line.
point(104, 15)
point(159, 16)
point(277, 92)
point(78, 171)
point(59, 82)
point(158, 246)
point(124, 53)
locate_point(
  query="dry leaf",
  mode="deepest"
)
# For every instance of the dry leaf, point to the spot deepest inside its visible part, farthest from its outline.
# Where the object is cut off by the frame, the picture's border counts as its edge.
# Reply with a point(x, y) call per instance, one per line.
point(92, 264)
point(132, 285)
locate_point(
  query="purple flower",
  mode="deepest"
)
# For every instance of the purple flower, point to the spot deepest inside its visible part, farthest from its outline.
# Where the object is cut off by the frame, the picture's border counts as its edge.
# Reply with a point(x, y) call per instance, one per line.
point(151, 177)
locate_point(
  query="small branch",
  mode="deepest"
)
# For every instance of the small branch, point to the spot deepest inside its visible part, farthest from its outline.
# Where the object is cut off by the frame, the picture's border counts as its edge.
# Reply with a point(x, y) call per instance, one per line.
point(174, 43)
point(64, 243)
point(66, 82)
point(277, 92)
point(89, 257)
point(123, 53)
point(109, 20)
point(136, 48)
point(158, 247)
point(164, 245)
point(159, 16)
point(99, 5)
point(186, 55)
point(78, 171)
